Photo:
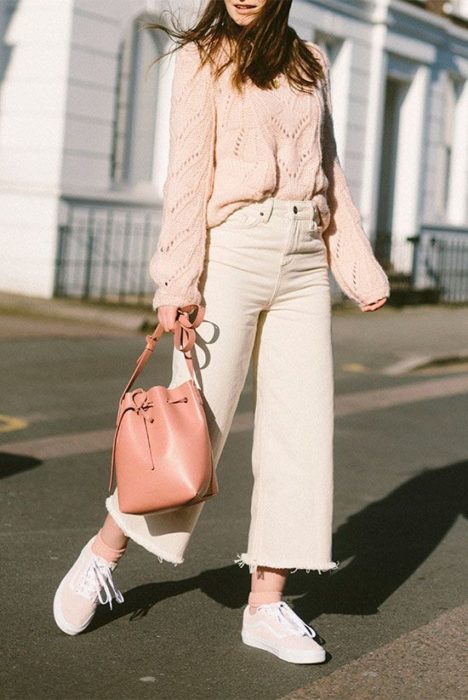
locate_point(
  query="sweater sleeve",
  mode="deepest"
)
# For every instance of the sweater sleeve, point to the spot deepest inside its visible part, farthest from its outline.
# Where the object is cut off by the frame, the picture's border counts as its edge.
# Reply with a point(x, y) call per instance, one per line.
point(176, 264)
point(351, 258)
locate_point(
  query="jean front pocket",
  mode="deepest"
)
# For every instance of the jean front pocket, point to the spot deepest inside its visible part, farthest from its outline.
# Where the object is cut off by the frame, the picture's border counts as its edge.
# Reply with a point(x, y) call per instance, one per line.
point(245, 217)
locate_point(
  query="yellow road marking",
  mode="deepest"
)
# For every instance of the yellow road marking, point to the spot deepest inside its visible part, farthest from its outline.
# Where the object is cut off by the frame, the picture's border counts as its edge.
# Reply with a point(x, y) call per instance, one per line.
point(9, 424)
point(354, 367)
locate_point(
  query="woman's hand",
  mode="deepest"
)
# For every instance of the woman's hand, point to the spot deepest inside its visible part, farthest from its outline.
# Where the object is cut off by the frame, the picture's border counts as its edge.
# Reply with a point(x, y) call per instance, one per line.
point(375, 305)
point(167, 316)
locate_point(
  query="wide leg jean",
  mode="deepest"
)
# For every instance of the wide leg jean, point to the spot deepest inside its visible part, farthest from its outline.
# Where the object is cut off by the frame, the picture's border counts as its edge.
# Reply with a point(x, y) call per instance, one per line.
point(266, 289)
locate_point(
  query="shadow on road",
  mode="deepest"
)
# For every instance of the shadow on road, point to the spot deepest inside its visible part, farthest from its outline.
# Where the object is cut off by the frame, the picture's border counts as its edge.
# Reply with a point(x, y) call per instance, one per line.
point(15, 464)
point(385, 542)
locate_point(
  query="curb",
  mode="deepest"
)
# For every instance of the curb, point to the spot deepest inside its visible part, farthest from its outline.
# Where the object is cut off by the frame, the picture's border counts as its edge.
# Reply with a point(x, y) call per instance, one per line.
point(69, 310)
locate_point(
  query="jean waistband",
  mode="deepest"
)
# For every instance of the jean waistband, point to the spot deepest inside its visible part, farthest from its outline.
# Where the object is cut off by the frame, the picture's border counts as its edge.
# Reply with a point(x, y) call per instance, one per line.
point(296, 208)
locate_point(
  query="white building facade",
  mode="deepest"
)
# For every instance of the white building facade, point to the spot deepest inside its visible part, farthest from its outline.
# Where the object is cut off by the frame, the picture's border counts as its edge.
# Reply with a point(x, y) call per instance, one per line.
point(84, 135)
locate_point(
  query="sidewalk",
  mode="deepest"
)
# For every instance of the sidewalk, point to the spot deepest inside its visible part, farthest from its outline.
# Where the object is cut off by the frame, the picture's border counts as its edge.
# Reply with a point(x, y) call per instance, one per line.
point(112, 315)
point(424, 663)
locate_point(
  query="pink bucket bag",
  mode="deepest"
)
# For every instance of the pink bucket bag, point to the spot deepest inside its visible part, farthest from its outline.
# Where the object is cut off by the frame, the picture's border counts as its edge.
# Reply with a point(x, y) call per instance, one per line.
point(161, 454)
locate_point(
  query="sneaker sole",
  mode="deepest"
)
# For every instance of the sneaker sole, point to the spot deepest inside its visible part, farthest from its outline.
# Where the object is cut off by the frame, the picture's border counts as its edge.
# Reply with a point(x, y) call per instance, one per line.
point(59, 618)
point(293, 656)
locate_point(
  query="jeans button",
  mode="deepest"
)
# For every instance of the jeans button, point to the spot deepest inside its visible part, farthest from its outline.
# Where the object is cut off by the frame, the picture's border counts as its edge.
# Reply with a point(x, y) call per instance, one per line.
point(295, 209)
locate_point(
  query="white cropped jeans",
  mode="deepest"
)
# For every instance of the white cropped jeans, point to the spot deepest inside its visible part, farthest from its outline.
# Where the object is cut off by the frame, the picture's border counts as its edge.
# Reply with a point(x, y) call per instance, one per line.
point(266, 290)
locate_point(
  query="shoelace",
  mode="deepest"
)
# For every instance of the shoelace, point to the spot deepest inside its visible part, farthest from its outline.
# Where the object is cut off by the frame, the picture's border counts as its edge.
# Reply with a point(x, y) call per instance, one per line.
point(288, 617)
point(98, 582)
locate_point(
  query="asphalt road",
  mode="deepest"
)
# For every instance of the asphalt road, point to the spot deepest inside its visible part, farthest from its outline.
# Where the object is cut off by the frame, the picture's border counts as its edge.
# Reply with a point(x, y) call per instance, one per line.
point(387, 615)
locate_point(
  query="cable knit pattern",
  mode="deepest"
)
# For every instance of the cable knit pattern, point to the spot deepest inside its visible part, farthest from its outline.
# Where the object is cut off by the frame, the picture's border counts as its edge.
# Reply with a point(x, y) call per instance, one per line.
point(229, 149)
point(177, 263)
point(350, 254)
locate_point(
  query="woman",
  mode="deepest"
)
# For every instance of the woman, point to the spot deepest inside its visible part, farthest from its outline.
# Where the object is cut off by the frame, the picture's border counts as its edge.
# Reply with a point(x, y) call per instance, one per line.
point(256, 212)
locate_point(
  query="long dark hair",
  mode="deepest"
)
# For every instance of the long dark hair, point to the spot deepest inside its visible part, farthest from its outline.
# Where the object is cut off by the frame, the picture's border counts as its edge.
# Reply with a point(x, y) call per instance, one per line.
point(259, 50)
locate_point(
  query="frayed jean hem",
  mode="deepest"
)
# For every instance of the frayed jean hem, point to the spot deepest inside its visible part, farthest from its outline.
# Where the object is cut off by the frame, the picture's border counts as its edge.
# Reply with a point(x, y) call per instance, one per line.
point(253, 564)
point(159, 553)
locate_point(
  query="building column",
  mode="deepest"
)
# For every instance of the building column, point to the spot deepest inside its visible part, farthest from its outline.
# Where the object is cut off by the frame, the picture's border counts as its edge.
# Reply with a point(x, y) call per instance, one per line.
point(33, 90)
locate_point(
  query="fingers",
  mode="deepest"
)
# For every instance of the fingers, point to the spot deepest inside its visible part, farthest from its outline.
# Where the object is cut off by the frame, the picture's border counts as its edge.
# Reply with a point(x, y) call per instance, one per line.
point(167, 317)
point(375, 305)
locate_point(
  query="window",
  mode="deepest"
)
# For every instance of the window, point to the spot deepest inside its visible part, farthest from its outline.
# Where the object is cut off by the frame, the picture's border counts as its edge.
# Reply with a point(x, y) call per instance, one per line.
point(135, 107)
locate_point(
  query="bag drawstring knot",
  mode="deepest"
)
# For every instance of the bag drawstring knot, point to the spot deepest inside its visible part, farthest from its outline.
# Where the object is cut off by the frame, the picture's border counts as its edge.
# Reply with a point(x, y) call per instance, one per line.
point(142, 408)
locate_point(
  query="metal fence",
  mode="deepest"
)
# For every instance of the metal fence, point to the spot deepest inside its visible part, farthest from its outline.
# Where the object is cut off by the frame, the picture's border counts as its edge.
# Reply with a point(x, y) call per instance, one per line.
point(104, 249)
point(441, 262)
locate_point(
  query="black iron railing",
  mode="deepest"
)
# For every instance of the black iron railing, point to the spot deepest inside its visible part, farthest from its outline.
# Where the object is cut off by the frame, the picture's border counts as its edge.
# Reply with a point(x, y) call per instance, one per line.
point(104, 249)
point(441, 262)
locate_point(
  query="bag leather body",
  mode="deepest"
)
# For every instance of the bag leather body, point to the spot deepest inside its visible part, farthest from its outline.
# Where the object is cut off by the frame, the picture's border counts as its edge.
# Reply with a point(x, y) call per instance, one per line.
point(161, 454)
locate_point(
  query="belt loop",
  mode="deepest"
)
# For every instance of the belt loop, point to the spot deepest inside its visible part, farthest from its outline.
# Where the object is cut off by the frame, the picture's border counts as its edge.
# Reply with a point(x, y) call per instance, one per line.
point(315, 215)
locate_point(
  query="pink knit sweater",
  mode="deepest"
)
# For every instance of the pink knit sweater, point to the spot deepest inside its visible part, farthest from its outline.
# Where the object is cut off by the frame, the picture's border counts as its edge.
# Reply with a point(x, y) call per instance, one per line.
point(228, 149)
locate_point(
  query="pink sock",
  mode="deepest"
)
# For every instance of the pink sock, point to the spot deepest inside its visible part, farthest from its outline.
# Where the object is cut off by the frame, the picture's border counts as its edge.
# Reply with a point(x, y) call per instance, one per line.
point(257, 598)
point(103, 550)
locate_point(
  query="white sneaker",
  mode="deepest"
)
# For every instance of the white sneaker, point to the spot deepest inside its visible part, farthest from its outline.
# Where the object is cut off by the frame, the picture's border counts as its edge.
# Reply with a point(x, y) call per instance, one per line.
point(276, 628)
point(88, 583)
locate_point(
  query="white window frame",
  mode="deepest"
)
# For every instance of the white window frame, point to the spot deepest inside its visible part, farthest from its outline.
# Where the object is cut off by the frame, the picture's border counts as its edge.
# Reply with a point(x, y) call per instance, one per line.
point(454, 169)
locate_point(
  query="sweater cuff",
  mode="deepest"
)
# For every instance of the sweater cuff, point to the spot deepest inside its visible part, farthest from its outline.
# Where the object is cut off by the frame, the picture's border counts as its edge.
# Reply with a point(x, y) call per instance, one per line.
point(368, 295)
point(163, 298)
point(375, 295)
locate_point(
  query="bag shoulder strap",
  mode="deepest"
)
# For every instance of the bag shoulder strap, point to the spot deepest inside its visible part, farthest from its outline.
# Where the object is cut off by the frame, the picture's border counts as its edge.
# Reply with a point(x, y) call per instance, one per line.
point(184, 340)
